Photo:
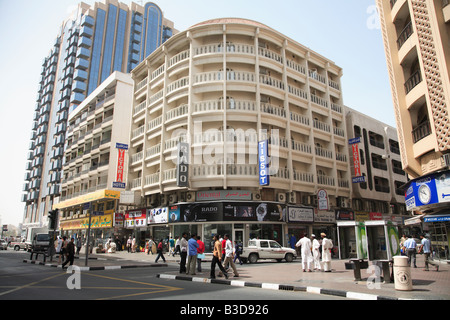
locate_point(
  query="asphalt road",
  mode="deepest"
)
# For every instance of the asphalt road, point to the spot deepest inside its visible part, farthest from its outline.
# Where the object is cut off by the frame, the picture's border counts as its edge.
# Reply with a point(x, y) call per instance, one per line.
point(22, 281)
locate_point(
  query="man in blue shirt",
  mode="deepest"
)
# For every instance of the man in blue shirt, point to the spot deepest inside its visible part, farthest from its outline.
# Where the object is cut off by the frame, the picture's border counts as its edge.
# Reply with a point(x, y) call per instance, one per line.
point(192, 255)
point(426, 249)
point(410, 246)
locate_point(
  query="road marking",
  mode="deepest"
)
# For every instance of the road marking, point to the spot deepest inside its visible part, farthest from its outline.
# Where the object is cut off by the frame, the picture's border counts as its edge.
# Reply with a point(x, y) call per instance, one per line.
point(30, 284)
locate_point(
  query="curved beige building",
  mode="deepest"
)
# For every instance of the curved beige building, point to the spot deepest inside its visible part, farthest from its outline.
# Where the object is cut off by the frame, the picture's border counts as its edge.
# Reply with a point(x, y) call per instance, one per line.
point(222, 86)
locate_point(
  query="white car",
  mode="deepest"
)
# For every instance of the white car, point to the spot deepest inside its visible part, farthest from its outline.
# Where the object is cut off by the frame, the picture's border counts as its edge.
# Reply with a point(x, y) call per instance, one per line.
point(267, 249)
point(3, 245)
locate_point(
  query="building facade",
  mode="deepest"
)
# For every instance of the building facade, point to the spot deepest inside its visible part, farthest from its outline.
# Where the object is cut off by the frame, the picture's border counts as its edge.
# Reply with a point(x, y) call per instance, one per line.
point(91, 44)
point(96, 159)
point(416, 36)
point(205, 100)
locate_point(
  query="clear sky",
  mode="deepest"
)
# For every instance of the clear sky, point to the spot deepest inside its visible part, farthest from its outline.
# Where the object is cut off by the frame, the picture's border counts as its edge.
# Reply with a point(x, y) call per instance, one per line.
point(344, 31)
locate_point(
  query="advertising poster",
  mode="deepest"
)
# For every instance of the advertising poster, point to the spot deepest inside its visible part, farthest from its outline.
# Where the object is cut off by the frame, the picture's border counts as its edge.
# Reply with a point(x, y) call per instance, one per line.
point(361, 239)
point(174, 213)
point(202, 212)
point(239, 212)
point(158, 216)
point(394, 242)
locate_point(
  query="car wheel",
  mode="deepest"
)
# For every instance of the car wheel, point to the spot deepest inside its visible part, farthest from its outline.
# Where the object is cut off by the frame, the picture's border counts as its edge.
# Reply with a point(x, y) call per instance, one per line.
point(16, 248)
point(289, 257)
point(253, 258)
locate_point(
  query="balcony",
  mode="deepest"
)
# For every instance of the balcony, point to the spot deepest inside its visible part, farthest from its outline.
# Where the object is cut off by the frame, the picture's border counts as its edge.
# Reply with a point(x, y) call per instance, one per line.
point(404, 35)
point(421, 131)
point(413, 81)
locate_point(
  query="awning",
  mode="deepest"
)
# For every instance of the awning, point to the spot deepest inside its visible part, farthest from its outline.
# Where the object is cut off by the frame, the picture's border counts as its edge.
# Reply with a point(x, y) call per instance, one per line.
point(414, 220)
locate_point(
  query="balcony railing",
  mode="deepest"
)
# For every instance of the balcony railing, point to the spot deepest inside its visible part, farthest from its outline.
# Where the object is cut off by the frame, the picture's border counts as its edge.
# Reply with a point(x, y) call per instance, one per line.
point(413, 81)
point(421, 131)
point(404, 35)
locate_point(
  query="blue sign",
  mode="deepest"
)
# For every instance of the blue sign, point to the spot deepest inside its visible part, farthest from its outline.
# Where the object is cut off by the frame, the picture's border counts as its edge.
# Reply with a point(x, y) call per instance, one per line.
point(436, 218)
point(118, 185)
point(428, 190)
point(359, 179)
point(97, 213)
point(263, 157)
point(354, 140)
point(121, 146)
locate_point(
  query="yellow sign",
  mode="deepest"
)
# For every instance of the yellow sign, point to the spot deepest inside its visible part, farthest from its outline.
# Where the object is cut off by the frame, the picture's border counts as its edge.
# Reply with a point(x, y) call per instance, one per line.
point(94, 196)
point(97, 222)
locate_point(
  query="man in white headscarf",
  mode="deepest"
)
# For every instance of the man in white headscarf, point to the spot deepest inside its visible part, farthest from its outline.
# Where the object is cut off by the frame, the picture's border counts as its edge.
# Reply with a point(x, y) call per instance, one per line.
point(307, 258)
point(327, 245)
point(316, 252)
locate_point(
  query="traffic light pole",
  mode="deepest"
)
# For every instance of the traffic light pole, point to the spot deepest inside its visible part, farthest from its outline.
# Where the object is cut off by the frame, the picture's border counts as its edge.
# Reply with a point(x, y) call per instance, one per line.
point(88, 238)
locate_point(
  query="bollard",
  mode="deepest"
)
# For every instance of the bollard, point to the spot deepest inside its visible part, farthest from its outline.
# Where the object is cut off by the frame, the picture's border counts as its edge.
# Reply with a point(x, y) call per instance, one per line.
point(402, 274)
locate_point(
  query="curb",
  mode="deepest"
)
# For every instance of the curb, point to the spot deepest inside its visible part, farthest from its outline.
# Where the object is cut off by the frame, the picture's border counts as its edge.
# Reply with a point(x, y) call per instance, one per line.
point(273, 286)
point(97, 268)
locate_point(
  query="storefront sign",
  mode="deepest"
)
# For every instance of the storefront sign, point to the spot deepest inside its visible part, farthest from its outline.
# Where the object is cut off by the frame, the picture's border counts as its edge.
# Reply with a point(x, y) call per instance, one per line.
point(443, 218)
point(375, 216)
point(224, 195)
point(94, 196)
point(324, 216)
point(298, 214)
point(97, 222)
point(183, 165)
point(361, 216)
point(135, 218)
point(119, 219)
point(157, 216)
point(263, 157)
point(202, 212)
point(346, 215)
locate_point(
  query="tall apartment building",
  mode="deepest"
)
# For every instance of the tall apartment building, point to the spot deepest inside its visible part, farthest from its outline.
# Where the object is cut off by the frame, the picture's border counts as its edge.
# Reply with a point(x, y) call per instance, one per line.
point(205, 99)
point(93, 43)
point(416, 36)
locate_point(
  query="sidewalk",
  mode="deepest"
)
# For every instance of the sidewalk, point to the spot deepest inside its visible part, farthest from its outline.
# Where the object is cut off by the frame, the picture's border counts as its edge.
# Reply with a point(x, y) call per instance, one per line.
point(429, 285)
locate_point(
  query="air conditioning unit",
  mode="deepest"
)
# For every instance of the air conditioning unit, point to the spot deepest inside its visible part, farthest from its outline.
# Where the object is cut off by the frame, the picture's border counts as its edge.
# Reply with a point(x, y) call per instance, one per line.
point(281, 197)
point(190, 196)
point(173, 199)
point(152, 200)
point(256, 196)
point(343, 202)
point(164, 200)
point(122, 208)
point(292, 197)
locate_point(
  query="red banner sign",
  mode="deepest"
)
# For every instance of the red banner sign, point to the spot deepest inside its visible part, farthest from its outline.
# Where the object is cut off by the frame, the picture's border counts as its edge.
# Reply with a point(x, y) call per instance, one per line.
point(356, 162)
point(120, 165)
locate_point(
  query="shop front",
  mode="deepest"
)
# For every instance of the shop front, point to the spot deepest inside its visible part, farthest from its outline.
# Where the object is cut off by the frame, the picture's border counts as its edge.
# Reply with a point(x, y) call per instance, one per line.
point(241, 220)
point(75, 215)
point(438, 227)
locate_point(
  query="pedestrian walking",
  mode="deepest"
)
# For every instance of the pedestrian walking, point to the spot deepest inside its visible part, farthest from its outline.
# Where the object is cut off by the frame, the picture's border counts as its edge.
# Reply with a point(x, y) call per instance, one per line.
point(133, 245)
point(129, 243)
point(217, 258)
point(79, 245)
point(327, 246)
point(237, 252)
point(171, 246)
point(70, 248)
point(316, 252)
point(183, 252)
point(229, 256)
point(177, 247)
point(200, 253)
point(192, 254)
point(307, 259)
point(426, 249)
point(59, 244)
point(150, 244)
point(159, 250)
point(410, 245)
point(64, 248)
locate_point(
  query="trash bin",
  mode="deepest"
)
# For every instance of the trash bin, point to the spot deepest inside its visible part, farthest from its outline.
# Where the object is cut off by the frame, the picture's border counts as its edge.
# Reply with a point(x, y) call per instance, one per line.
point(402, 274)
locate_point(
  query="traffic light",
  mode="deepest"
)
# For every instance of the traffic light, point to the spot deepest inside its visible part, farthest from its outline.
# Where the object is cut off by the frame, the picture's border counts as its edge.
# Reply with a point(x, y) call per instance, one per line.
point(52, 219)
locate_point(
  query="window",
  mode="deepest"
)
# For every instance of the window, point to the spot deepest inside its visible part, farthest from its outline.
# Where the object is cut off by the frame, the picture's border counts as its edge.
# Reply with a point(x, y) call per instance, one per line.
point(376, 140)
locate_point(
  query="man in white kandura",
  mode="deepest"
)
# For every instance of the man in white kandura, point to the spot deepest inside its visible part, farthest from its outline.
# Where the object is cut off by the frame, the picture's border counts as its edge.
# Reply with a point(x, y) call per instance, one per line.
point(316, 252)
point(307, 258)
point(327, 245)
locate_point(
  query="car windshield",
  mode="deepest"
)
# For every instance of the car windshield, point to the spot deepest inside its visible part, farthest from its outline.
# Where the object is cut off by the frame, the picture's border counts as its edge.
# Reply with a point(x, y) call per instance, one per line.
point(42, 237)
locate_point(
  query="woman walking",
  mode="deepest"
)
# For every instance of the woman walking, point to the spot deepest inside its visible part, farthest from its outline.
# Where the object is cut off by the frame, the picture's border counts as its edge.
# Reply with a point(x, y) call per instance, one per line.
point(160, 252)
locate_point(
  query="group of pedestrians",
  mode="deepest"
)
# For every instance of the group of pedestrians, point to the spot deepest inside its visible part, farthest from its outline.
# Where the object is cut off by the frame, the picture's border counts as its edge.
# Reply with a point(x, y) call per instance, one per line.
point(66, 250)
point(410, 248)
point(310, 252)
